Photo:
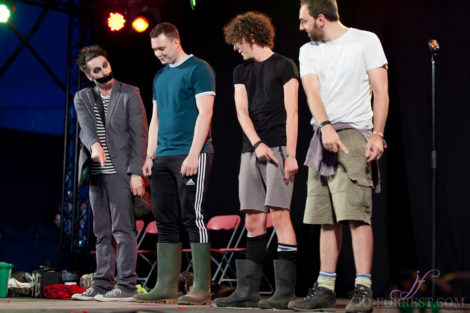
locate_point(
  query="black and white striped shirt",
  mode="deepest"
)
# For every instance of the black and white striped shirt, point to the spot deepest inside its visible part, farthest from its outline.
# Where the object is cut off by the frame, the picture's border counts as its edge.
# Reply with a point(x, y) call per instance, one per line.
point(95, 167)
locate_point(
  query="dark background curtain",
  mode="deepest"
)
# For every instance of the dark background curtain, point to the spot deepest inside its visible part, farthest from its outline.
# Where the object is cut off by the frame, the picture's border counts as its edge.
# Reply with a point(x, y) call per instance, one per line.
point(402, 212)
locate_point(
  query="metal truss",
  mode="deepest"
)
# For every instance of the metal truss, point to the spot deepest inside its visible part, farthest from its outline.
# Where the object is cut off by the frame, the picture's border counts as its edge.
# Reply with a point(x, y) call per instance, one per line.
point(75, 211)
point(65, 6)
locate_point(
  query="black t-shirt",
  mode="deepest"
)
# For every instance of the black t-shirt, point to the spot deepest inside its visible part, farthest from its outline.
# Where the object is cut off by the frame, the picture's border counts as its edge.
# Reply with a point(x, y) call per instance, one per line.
point(264, 83)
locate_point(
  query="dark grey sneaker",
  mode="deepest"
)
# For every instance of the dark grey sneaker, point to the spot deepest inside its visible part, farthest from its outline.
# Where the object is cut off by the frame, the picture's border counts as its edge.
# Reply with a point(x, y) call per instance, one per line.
point(88, 295)
point(117, 295)
point(361, 300)
point(317, 299)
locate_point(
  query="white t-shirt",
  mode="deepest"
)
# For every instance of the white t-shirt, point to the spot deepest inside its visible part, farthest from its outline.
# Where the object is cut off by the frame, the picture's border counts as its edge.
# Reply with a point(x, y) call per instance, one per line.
point(341, 66)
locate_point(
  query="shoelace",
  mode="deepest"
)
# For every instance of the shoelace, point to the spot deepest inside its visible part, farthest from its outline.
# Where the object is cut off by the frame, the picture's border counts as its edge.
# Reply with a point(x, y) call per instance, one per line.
point(311, 292)
point(114, 292)
point(359, 293)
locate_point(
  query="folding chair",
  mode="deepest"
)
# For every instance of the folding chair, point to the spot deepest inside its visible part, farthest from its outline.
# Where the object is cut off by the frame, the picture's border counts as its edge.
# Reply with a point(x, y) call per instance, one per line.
point(139, 226)
point(225, 222)
point(221, 223)
point(144, 253)
point(223, 276)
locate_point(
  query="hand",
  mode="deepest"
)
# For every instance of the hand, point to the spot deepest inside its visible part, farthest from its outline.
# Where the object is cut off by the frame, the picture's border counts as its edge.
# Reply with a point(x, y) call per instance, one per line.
point(137, 185)
point(190, 165)
point(290, 169)
point(375, 148)
point(264, 153)
point(331, 141)
point(97, 153)
point(147, 168)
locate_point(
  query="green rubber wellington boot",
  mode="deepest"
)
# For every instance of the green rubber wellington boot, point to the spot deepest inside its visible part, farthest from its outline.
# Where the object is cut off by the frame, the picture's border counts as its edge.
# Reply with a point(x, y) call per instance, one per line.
point(169, 266)
point(200, 292)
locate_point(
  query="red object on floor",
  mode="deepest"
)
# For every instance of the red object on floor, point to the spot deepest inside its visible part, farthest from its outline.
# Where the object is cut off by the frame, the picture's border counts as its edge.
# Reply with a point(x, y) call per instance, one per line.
point(61, 291)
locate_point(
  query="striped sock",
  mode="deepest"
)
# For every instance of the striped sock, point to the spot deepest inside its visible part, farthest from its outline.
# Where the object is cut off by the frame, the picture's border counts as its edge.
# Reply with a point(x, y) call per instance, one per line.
point(364, 280)
point(327, 280)
point(287, 252)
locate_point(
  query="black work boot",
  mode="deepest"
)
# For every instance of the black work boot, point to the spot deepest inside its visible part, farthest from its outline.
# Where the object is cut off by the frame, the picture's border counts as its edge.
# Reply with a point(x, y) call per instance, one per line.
point(246, 295)
point(318, 298)
point(285, 276)
point(361, 300)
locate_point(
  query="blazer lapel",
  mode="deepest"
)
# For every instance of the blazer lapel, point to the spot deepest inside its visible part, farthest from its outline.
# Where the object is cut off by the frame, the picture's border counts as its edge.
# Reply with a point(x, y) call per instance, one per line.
point(91, 103)
point(115, 94)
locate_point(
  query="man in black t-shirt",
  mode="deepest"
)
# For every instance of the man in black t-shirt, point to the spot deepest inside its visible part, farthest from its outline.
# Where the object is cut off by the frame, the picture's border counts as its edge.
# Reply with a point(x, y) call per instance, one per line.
point(266, 87)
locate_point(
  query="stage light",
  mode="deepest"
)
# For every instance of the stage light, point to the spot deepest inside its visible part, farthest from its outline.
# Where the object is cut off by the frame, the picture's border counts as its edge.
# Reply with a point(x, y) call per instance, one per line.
point(116, 21)
point(7, 9)
point(143, 17)
point(140, 24)
point(4, 13)
point(193, 4)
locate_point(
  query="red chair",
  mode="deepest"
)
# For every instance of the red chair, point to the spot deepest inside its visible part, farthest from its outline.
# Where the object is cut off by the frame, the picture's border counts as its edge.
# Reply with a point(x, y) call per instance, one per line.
point(225, 254)
point(228, 266)
point(146, 254)
point(220, 256)
point(139, 226)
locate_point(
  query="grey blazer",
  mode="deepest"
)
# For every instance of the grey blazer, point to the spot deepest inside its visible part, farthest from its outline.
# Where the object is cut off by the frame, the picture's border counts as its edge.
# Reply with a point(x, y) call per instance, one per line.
point(126, 128)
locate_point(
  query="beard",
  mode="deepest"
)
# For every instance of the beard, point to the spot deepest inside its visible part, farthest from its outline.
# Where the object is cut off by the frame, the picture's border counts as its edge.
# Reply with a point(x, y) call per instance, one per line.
point(316, 34)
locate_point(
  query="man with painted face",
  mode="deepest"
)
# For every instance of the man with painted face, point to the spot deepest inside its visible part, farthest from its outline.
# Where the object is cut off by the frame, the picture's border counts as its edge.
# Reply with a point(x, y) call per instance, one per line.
point(266, 90)
point(114, 137)
point(340, 69)
point(179, 159)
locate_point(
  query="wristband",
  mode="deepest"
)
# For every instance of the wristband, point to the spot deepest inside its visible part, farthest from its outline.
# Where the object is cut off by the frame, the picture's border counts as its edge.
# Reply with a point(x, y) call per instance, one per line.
point(290, 156)
point(378, 133)
point(151, 157)
point(325, 123)
point(257, 144)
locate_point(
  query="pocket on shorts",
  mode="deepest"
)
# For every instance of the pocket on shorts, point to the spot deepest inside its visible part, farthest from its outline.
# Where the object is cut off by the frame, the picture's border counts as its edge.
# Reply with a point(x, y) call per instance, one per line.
point(355, 163)
point(359, 171)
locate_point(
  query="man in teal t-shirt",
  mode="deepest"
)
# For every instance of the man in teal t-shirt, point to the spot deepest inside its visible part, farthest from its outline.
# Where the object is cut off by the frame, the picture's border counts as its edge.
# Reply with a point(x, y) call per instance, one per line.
point(179, 158)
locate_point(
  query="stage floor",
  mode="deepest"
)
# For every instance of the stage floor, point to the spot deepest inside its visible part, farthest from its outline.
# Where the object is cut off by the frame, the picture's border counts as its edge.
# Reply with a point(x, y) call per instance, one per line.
point(29, 305)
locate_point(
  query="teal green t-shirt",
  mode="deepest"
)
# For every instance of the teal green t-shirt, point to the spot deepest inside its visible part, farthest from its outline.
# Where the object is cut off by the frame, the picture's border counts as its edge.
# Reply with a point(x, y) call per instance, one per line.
point(175, 88)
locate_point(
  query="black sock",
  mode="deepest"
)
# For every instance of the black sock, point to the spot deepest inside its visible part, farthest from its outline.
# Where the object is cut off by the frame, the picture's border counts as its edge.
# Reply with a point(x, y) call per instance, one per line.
point(256, 248)
point(287, 252)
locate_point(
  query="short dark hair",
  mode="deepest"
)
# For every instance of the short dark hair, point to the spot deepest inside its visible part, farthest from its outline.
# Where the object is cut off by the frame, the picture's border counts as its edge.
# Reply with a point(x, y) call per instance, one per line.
point(168, 29)
point(250, 26)
point(88, 53)
point(329, 8)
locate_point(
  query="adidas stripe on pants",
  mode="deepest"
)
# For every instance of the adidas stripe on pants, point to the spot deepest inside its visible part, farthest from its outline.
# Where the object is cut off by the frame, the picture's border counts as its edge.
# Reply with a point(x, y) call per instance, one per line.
point(176, 198)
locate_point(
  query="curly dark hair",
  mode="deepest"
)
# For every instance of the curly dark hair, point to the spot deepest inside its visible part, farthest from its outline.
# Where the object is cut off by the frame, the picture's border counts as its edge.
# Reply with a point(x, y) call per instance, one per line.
point(168, 29)
point(250, 26)
point(329, 8)
point(88, 53)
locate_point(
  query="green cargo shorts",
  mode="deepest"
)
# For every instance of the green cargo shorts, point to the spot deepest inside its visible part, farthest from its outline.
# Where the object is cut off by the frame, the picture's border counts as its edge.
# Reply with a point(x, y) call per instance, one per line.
point(346, 195)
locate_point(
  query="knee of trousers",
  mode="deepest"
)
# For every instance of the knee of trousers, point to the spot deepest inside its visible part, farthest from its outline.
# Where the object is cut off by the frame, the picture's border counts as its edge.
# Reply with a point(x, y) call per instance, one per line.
point(103, 237)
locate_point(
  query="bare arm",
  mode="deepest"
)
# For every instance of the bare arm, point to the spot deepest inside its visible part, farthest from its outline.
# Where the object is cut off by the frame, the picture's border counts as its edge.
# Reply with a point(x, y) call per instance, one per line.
point(152, 142)
point(291, 90)
point(378, 80)
point(330, 138)
point(263, 152)
point(205, 105)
